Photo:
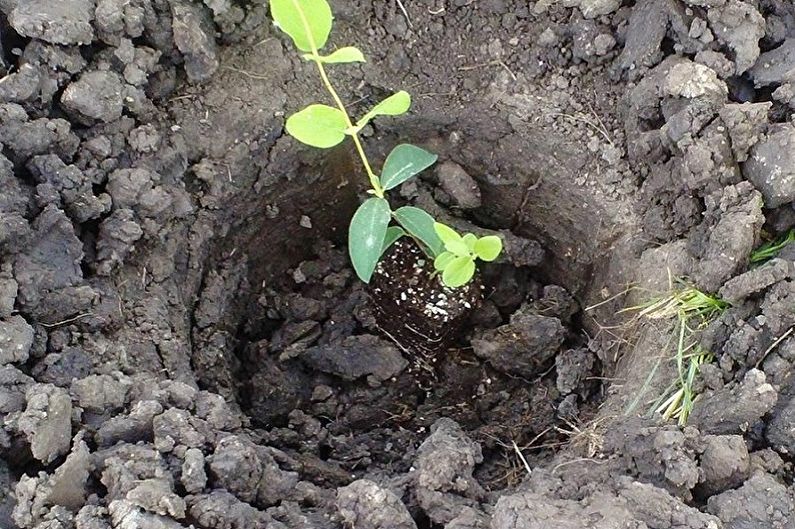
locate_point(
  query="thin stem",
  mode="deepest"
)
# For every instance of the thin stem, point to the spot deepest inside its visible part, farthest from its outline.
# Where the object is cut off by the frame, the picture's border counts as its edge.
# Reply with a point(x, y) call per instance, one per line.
point(374, 182)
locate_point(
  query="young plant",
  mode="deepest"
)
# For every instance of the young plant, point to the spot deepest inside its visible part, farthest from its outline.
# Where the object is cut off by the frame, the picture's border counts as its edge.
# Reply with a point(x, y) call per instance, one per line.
point(308, 24)
point(457, 261)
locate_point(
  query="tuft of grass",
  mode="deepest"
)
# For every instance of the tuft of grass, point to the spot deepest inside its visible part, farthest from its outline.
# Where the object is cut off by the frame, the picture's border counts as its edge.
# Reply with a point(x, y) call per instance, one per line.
point(771, 249)
point(691, 311)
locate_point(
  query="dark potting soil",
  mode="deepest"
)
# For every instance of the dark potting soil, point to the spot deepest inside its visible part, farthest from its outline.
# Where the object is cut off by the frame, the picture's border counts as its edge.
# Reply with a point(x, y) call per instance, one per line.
point(413, 307)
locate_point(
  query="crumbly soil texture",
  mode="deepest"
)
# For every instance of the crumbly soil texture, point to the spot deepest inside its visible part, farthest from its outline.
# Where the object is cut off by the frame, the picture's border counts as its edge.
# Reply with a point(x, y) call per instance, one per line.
point(183, 343)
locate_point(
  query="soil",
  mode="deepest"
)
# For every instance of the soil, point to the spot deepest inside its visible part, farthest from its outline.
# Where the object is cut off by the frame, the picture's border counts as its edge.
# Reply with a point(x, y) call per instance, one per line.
point(183, 342)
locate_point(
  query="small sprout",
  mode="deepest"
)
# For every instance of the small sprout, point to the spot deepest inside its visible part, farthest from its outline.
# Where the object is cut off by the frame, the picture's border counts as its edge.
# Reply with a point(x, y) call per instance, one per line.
point(308, 23)
point(457, 262)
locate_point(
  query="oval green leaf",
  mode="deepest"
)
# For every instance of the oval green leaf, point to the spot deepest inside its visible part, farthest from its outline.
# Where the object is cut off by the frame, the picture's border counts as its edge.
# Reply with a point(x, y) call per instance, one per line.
point(342, 55)
point(318, 125)
point(307, 22)
point(404, 162)
point(394, 105)
point(453, 242)
point(366, 236)
point(488, 248)
point(393, 233)
point(470, 239)
point(459, 271)
point(443, 260)
point(420, 226)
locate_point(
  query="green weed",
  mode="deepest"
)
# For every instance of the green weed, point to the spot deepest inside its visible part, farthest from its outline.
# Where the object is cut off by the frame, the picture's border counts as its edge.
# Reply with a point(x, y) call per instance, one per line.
point(771, 249)
point(691, 311)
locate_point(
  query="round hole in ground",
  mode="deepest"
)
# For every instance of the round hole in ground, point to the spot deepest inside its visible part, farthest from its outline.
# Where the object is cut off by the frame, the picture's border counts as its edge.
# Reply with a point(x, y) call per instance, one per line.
point(311, 368)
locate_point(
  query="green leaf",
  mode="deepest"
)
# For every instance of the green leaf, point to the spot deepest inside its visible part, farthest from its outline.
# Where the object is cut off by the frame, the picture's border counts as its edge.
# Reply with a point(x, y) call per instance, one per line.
point(342, 55)
point(459, 271)
point(453, 242)
point(470, 239)
point(307, 22)
point(393, 233)
point(420, 226)
point(488, 247)
point(394, 105)
point(404, 162)
point(366, 236)
point(318, 125)
point(443, 260)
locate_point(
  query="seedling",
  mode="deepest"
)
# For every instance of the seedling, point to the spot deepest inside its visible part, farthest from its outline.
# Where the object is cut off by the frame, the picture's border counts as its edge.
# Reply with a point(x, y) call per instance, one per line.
point(308, 24)
point(457, 261)
point(691, 310)
point(771, 249)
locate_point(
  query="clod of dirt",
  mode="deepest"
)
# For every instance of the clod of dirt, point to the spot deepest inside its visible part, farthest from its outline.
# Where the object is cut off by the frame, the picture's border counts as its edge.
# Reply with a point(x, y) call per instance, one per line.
point(691, 80)
point(729, 241)
point(64, 22)
point(98, 393)
point(739, 26)
point(22, 85)
point(194, 36)
point(95, 96)
point(445, 463)
point(47, 421)
point(775, 67)
point(193, 477)
point(67, 186)
point(734, 410)
point(536, 511)
point(572, 366)
point(8, 289)
point(125, 514)
point(16, 338)
point(249, 472)
point(133, 427)
point(597, 8)
point(780, 433)
point(363, 504)
point(761, 502)
point(66, 487)
point(524, 345)
point(747, 123)
point(156, 495)
point(756, 280)
point(637, 505)
point(771, 166)
point(647, 27)
point(724, 464)
point(665, 457)
point(357, 356)
point(222, 510)
point(50, 267)
point(26, 138)
point(457, 183)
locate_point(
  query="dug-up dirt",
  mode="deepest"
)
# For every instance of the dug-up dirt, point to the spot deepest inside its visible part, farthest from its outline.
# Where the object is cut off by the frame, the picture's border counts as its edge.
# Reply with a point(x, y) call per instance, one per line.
point(183, 343)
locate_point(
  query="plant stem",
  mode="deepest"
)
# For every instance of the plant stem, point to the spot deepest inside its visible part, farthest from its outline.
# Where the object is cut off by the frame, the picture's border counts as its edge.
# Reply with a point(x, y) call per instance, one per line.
point(374, 182)
point(354, 133)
